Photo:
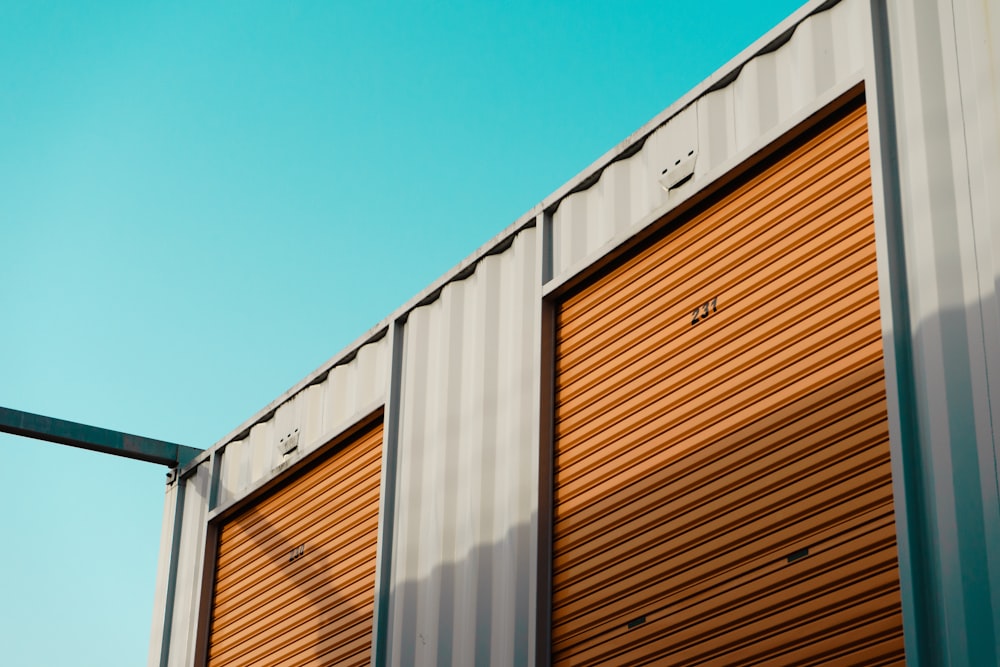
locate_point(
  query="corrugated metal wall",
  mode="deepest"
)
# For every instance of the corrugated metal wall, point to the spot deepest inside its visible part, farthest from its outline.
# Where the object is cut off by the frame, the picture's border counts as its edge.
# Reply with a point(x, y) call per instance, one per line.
point(316, 412)
point(823, 53)
point(162, 575)
point(463, 528)
point(462, 571)
point(183, 621)
point(345, 394)
point(939, 117)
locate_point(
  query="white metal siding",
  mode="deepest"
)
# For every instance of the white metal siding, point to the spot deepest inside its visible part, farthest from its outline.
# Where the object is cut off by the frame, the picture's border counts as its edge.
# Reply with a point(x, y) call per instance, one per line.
point(463, 560)
point(944, 62)
point(467, 480)
point(189, 566)
point(316, 411)
point(826, 51)
point(162, 573)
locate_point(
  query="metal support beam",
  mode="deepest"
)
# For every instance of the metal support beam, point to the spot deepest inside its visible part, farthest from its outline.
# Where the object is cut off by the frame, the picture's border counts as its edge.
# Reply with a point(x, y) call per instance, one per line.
point(95, 439)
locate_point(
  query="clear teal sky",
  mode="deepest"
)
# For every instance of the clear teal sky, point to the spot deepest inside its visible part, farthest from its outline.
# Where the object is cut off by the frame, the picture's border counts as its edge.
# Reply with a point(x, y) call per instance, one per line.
point(201, 202)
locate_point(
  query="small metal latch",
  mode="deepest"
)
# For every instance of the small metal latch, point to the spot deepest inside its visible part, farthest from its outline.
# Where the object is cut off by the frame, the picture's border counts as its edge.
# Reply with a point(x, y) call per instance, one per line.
point(289, 442)
point(797, 555)
point(636, 622)
point(680, 172)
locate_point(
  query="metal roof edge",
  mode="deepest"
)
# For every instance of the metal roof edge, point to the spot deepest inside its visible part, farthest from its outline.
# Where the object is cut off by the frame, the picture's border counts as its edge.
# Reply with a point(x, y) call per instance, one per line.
point(770, 41)
point(460, 271)
point(724, 75)
point(344, 356)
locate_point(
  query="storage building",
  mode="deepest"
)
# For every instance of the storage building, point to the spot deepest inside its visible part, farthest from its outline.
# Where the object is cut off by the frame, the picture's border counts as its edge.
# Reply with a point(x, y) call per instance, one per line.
point(724, 398)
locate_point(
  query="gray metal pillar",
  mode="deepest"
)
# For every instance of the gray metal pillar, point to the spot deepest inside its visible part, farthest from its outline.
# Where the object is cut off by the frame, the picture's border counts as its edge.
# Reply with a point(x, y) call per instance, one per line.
point(938, 106)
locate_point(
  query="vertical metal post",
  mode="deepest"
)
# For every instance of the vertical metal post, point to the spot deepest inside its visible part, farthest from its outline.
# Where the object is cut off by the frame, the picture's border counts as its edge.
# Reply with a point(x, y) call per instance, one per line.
point(917, 596)
point(547, 255)
point(546, 453)
point(207, 589)
point(937, 353)
point(214, 482)
point(175, 548)
point(387, 500)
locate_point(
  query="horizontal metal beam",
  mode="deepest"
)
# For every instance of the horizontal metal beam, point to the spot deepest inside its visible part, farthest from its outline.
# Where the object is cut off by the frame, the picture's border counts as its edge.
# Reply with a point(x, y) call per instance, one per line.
point(95, 438)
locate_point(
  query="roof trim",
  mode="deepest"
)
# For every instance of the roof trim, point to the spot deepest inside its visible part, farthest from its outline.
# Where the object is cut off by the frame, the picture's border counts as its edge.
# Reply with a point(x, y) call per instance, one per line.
point(722, 77)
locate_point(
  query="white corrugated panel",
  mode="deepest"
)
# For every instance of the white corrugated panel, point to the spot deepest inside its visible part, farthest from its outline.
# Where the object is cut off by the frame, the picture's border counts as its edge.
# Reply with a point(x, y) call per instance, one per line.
point(316, 413)
point(468, 469)
point(825, 51)
point(162, 573)
point(944, 58)
point(463, 571)
point(189, 565)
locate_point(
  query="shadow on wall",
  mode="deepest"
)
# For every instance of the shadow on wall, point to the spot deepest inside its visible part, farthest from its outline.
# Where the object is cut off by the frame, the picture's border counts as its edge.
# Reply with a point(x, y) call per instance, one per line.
point(728, 507)
point(477, 611)
point(953, 489)
point(284, 605)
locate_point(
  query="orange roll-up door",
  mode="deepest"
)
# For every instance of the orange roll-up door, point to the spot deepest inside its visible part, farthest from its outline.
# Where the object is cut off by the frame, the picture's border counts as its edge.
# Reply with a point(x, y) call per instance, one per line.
point(295, 573)
point(722, 482)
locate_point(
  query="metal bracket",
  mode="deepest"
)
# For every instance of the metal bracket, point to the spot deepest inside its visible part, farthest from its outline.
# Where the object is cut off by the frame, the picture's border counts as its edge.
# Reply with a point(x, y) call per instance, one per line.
point(289, 443)
point(679, 172)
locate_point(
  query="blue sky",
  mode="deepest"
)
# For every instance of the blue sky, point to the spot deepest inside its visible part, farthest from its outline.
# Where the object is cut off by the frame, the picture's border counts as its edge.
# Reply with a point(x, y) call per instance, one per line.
point(202, 202)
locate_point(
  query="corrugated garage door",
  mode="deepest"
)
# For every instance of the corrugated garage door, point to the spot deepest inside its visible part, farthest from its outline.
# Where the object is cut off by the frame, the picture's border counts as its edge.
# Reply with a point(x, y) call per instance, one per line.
point(295, 574)
point(722, 458)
